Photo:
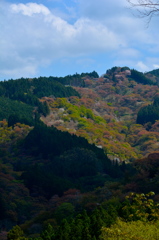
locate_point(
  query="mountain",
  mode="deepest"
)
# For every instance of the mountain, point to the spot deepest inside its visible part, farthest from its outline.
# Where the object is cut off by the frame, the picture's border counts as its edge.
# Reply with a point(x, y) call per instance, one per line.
point(108, 112)
point(71, 151)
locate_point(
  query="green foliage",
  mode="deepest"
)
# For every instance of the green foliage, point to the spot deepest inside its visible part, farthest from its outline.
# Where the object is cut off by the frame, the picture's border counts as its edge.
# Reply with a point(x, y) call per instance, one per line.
point(64, 211)
point(112, 70)
point(154, 72)
point(83, 122)
point(16, 233)
point(77, 162)
point(71, 158)
point(109, 104)
point(50, 87)
point(48, 233)
point(38, 175)
point(28, 89)
point(15, 111)
point(93, 74)
point(63, 231)
point(140, 77)
point(137, 230)
point(82, 227)
point(149, 113)
point(140, 207)
point(42, 181)
point(20, 97)
point(76, 80)
point(124, 68)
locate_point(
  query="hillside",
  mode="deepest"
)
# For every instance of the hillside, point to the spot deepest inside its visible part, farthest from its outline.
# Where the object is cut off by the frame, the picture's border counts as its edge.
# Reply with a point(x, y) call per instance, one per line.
point(21, 98)
point(73, 149)
point(107, 113)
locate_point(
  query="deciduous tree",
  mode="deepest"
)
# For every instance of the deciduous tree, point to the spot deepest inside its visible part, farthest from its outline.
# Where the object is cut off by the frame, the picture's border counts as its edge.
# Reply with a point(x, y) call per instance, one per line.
point(145, 8)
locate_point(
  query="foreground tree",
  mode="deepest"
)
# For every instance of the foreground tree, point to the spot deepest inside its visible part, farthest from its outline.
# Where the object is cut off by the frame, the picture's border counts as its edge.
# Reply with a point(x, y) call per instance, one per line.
point(131, 230)
point(145, 8)
point(16, 233)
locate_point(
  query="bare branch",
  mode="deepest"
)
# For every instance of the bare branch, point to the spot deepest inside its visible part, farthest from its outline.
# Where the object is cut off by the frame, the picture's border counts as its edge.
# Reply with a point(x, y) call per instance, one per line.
point(145, 8)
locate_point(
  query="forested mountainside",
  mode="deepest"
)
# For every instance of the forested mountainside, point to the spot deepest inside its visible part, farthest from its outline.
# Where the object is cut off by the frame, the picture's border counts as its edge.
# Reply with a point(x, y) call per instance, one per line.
point(20, 98)
point(115, 112)
point(79, 156)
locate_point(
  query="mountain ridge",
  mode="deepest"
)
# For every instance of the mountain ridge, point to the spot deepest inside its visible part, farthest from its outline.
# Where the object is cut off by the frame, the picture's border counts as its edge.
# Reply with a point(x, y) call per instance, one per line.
point(70, 152)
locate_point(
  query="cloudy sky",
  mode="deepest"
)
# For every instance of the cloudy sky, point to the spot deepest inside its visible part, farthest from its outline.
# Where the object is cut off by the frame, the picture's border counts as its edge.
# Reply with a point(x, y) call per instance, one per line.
point(62, 37)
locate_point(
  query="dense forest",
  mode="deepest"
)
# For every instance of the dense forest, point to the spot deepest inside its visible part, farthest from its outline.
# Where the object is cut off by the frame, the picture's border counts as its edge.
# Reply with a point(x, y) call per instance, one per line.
point(79, 157)
point(21, 98)
point(150, 113)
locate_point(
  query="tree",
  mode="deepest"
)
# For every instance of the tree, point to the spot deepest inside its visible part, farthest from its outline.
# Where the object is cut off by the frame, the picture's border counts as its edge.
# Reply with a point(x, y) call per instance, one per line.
point(140, 207)
point(146, 8)
point(16, 233)
point(130, 230)
point(48, 233)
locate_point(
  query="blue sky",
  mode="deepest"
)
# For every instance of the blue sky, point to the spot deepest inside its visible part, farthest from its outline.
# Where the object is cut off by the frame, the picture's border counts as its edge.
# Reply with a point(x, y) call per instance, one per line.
point(62, 37)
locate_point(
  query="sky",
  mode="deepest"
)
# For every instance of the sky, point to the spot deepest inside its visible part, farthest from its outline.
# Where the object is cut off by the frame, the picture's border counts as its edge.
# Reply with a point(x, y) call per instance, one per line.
point(64, 37)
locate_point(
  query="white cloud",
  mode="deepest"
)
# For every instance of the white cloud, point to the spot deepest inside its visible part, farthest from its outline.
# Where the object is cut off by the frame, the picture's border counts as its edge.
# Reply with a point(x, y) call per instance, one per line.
point(147, 64)
point(35, 36)
point(30, 8)
point(25, 71)
point(142, 67)
point(45, 37)
point(155, 66)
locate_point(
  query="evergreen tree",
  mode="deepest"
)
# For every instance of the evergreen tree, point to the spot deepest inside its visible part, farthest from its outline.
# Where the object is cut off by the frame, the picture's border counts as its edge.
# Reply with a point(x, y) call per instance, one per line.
point(48, 233)
point(16, 233)
point(64, 231)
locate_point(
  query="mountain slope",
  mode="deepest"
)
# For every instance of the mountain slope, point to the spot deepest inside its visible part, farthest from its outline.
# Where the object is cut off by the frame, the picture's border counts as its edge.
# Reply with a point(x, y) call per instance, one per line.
point(106, 114)
point(75, 160)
